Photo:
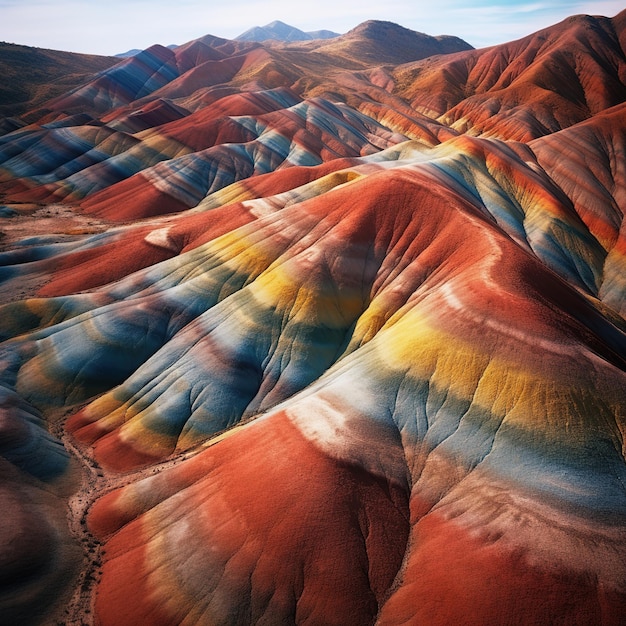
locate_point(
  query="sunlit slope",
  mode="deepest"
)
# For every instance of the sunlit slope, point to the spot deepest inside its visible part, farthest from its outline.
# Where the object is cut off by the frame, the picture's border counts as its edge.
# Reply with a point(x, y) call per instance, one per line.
point(435, 310)
point(293, 334)
point(587, 162)
point(459, 427)
point(527, 88)
point(165, 105)
point(174, 164)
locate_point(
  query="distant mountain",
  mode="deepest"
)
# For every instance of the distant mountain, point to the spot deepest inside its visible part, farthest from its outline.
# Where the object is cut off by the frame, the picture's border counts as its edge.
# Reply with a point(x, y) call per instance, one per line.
point(280, 31)
point(385, 32)
point(128, 53)
point(322, 34)
point(33, 76)
point(386, 42)
point(134, 51)
point(209, 61)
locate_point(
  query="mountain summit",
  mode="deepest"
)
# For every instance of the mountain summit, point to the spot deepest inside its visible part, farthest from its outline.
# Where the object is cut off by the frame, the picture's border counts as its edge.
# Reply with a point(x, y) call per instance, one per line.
point(388, 42)
point(280, 31)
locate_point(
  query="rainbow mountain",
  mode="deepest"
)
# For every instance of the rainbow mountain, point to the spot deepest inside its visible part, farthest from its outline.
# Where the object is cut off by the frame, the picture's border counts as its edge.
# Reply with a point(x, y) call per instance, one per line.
point(319, 332)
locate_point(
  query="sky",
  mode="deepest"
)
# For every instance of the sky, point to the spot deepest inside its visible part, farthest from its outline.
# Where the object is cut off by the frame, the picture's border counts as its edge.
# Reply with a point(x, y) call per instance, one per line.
point(111, 27)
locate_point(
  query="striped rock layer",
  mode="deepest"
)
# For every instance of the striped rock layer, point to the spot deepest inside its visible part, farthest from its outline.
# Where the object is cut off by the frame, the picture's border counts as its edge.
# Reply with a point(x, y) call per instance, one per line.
point(310, 350)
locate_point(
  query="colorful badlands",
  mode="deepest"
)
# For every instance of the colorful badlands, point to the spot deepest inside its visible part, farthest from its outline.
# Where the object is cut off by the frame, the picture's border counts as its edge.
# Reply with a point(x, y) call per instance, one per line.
point(319, 346)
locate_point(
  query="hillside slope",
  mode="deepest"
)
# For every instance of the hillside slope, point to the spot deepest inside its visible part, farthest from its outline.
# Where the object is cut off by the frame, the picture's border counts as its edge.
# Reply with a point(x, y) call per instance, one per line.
point(30, 76)
point(317, 333)
point(527, 88)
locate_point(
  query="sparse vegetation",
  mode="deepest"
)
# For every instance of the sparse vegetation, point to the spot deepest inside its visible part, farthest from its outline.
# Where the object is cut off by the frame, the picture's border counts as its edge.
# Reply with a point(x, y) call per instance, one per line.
point(30, 76)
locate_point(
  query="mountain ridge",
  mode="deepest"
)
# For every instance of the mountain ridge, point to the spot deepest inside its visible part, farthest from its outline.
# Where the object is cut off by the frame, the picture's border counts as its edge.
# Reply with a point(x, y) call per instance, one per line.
point(280, 31)
point(563, 86)
point(368, 43)
point(34, 75)
point(324, 331)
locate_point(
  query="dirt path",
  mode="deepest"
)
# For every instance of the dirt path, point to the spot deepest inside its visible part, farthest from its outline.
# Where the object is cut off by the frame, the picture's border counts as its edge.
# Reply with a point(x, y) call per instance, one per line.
point(86, 481)
point(94, 482)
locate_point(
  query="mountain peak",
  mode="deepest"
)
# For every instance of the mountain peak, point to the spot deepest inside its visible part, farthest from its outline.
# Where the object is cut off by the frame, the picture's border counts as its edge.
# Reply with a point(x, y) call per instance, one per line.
point(277, 24)
point(381, 30)
point(391, 43)
point(280, 31)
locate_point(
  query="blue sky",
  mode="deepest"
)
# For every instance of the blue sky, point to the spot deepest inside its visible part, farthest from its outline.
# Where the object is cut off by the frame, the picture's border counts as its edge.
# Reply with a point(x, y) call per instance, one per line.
point(114, 26)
